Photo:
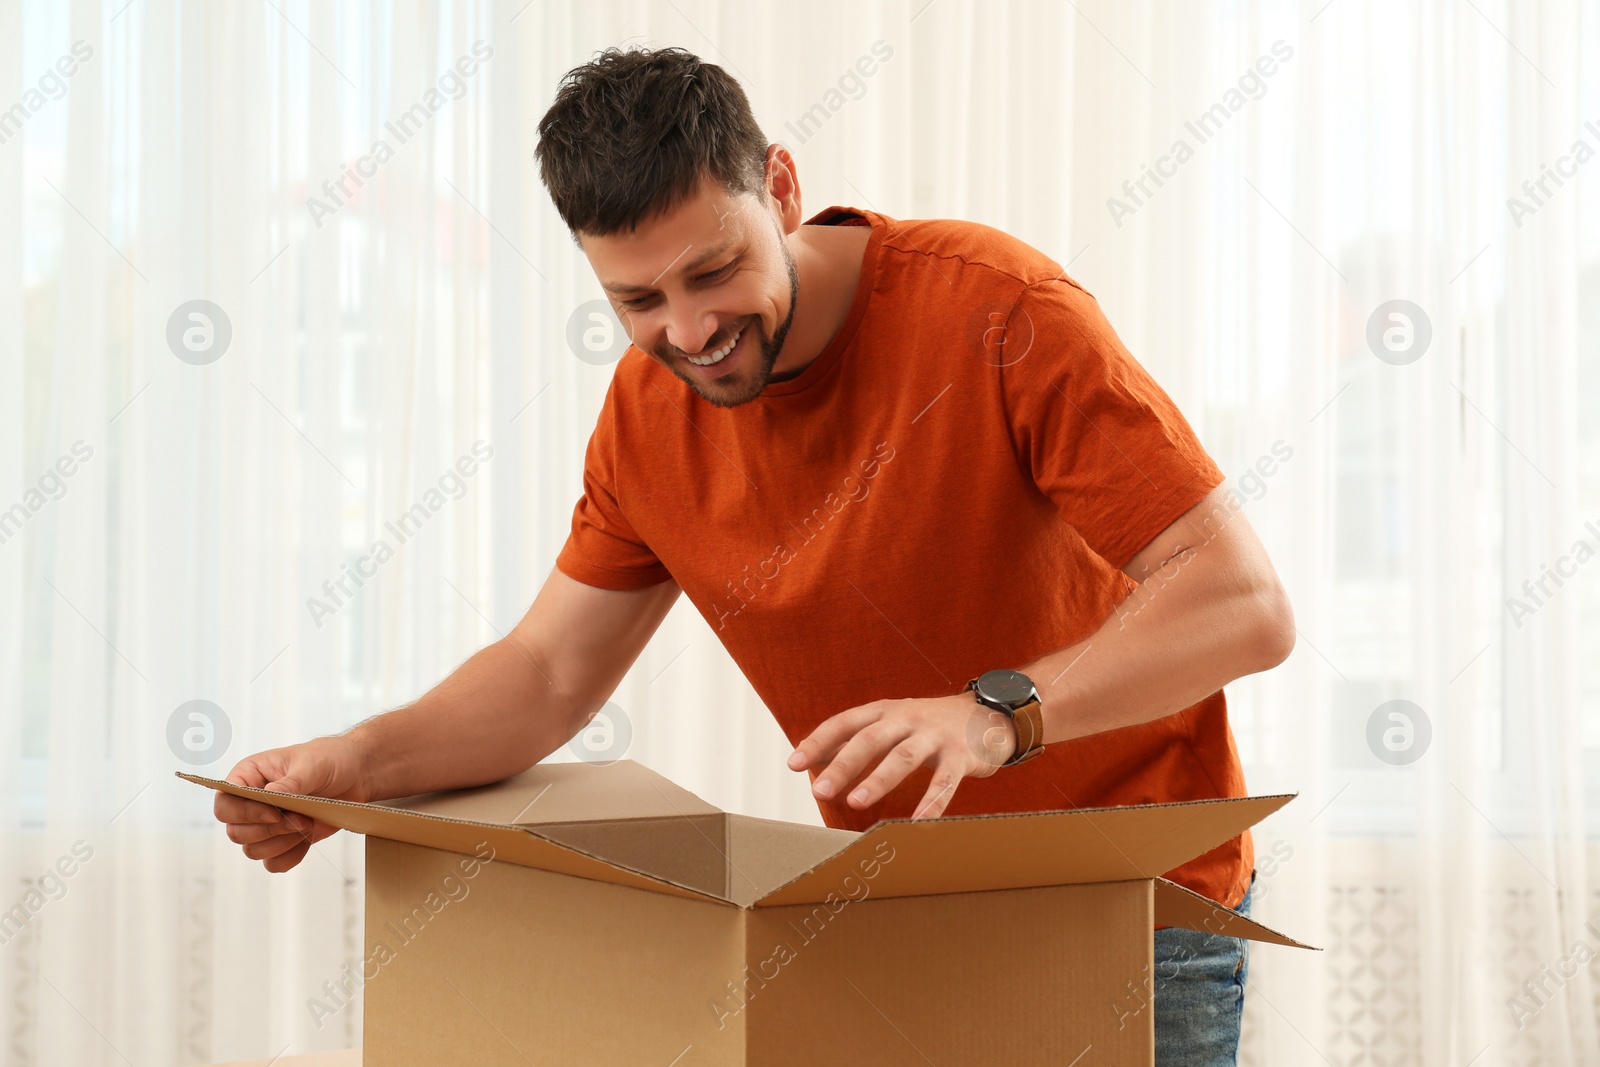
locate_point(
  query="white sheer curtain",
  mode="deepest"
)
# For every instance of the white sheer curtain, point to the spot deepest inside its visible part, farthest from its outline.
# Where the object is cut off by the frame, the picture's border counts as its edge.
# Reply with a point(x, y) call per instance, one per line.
point(381, 331)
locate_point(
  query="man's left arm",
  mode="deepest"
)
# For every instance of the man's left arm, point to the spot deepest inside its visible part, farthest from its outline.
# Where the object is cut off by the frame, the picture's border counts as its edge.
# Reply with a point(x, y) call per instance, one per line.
point(1208, 609)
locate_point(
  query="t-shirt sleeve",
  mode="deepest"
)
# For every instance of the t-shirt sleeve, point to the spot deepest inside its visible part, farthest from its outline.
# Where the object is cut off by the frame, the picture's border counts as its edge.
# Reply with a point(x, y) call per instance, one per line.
point(1092, 428)
point(602, 548)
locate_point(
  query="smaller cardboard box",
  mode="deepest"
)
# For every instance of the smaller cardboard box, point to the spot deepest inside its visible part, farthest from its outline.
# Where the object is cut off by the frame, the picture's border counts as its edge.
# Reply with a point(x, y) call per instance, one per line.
point(595, 915)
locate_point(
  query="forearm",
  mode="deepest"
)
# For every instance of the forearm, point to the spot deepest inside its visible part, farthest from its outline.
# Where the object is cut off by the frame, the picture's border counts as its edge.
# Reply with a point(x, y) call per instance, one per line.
point(496, 715)
point(1181, 636)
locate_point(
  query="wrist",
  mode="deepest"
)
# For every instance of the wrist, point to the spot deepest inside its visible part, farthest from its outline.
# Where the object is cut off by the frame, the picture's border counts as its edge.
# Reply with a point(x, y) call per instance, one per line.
point(356, 749)
point(1013, 694)
point(1000, 735)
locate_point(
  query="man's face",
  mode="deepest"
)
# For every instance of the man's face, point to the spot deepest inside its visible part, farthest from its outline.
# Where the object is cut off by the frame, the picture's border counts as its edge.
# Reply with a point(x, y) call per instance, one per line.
point(687, 282)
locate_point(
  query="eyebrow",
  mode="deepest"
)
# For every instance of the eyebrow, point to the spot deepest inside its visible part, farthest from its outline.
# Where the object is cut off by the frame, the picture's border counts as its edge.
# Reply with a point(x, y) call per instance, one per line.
point(688, 268)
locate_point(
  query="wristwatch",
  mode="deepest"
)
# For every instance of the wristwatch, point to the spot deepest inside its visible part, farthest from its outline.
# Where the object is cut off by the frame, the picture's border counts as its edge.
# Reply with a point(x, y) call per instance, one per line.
point(1013, 693)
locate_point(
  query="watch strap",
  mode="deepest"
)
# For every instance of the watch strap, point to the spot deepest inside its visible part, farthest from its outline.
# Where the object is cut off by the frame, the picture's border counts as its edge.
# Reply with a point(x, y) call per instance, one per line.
point(1029, 724)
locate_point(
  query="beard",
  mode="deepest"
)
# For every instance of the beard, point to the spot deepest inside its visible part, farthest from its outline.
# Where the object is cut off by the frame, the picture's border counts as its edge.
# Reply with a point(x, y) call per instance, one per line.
point(746, 383)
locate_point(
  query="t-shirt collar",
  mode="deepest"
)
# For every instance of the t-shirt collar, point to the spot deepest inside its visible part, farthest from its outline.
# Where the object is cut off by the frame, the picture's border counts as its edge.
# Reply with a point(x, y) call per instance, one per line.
point(819, 368)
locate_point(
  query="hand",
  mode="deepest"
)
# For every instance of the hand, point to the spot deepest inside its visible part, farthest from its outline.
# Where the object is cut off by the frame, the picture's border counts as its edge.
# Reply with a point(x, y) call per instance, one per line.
point(955, 735)
point(324, 767)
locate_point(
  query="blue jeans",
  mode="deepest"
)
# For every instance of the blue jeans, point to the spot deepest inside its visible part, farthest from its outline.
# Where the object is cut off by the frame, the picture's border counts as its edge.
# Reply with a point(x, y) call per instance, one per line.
point(1199, 994)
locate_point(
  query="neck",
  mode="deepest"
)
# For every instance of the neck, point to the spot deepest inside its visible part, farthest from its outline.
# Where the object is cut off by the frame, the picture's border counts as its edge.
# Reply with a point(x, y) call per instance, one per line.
point(828, 260)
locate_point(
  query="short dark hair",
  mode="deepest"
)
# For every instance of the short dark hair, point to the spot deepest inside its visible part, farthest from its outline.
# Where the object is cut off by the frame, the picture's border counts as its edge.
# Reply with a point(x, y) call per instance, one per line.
point(632, 134)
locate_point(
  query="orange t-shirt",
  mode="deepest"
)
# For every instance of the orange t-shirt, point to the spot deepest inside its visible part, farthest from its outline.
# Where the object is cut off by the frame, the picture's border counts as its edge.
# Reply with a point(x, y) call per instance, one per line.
point(949, 487)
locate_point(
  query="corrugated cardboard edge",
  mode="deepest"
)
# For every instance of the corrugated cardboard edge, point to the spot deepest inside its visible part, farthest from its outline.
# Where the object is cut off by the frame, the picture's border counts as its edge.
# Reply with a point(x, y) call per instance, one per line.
point(823, 875)
point(1178, 905)
point(514, 844)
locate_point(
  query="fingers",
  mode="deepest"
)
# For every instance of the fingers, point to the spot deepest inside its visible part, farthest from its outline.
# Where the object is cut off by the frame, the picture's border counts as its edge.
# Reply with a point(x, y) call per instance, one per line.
point(279, 839)
point(231, 809)
point(891, 739)
point(912, 751)
point(243, 833)
point(946, 776)
point(287, 784)
point(864, 749)
point(257, 770)
point(276, 845)
point(825, 740)
point(283, 850)
point(283, 861)
point(288, 858)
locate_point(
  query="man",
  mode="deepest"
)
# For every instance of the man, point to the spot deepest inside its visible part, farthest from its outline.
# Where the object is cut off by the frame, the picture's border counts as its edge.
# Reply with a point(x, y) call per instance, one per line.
point(883, 459)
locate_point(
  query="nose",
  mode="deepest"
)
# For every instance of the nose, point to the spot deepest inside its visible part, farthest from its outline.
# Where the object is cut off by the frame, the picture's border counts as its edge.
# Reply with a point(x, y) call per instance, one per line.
point(691, 331)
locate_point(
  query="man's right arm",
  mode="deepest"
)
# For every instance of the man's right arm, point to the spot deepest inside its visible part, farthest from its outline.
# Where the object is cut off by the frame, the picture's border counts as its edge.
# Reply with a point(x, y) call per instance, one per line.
point(507, 707)
point(517, 700)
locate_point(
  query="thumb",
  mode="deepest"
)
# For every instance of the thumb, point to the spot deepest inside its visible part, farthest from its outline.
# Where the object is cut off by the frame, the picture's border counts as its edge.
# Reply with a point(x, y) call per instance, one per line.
point(304, 770)
point(296, 780)
point(293, 773)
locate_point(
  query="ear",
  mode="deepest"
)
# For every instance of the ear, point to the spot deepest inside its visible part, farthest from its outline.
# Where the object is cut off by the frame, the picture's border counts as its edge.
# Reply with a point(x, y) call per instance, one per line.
point(783, 186)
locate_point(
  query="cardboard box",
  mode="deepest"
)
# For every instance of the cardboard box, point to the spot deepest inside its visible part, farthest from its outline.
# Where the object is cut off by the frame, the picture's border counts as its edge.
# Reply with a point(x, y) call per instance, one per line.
point(595, 915)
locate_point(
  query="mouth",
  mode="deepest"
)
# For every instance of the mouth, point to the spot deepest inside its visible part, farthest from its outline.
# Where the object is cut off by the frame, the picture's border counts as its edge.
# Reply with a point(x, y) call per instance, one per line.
point(719, 362)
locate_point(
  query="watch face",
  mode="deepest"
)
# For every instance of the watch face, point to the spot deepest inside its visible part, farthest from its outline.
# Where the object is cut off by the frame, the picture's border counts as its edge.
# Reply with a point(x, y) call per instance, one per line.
point(1008, 687)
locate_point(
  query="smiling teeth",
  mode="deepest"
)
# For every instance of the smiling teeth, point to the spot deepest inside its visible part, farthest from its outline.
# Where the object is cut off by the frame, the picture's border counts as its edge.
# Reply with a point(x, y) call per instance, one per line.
point(715, 357)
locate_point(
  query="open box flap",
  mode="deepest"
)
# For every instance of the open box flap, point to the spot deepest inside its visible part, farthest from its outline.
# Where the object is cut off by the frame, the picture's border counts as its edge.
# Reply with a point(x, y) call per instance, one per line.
point(966, 853)
point(517, 844)
point(763, 854)
point(564, 793)
point(1178, 905)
